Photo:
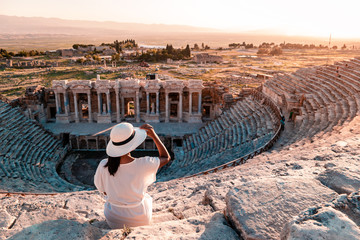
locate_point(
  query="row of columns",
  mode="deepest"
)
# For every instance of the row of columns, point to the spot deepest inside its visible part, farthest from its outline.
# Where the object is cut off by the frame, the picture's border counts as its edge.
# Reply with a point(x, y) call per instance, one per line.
point(66, 103)
point(100, 105)
point(137, 105)
point(148, 103)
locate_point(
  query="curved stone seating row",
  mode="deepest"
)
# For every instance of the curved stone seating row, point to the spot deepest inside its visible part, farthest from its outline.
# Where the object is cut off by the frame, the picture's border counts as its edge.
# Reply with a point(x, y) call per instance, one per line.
point(29, 153)
point(225, 131)
point(331, 96)
point(245, 127)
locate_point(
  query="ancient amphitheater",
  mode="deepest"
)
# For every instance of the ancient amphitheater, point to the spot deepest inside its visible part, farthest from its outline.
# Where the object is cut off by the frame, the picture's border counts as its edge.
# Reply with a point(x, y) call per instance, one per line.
point(239, 176)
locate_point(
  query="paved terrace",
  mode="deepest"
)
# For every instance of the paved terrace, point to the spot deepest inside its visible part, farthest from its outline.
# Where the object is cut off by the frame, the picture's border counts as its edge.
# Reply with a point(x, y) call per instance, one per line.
point(168, 129)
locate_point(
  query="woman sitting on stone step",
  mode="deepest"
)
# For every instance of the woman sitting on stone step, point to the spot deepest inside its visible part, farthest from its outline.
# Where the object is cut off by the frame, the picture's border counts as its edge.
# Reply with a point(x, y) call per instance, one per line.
point(124, 179)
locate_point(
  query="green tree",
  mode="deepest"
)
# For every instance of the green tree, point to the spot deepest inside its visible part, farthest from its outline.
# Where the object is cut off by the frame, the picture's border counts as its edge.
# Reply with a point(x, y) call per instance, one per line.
point(80, 60)
point(169, 49)
point(117, 46)
point(96, 58)
point(196, 47)
point(262, 51)
point(187, 51)
point(115, 57)
point(275, 51)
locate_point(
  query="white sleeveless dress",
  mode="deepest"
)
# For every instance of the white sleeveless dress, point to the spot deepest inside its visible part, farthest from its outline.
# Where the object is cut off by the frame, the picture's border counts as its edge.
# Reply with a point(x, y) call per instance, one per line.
point(127, 202)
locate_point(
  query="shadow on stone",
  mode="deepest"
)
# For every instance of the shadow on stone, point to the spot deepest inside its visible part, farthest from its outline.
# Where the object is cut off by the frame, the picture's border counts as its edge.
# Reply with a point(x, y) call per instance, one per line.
point(101, 224)
point(218, 228)
point(59, 229)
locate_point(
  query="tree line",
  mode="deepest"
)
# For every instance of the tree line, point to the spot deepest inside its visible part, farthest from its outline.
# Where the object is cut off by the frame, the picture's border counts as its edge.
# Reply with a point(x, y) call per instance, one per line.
point(23, 53)
point(238, 45)
point(120, 45)
point(155, 55)
point(203, 47)
point(151, 55)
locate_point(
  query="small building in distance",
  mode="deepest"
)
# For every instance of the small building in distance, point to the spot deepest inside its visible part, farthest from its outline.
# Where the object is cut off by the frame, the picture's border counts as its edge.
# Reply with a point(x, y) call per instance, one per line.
point(99, 48)
point(109, 52)
point(67, 52)
point(204, 58)
point(33, 64)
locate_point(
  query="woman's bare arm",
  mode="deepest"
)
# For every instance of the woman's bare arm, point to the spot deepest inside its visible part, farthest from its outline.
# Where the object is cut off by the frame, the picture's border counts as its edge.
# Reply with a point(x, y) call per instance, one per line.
point(164, 155)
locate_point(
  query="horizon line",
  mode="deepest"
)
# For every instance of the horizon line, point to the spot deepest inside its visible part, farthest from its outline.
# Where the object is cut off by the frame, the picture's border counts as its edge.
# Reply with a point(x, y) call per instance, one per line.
point(252, 32)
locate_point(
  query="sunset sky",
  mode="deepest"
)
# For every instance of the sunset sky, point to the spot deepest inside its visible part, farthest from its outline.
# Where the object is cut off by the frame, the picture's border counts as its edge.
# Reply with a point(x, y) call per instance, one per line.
point(306, 17)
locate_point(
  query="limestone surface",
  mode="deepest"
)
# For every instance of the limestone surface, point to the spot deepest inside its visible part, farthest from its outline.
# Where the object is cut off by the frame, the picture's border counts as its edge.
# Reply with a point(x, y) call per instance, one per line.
point(180, 204)
point(338, 219)
point(326, 223)
point(59, 229)
point(213, 226)
point(6, 220)
point(260, 208)
point(341, 179)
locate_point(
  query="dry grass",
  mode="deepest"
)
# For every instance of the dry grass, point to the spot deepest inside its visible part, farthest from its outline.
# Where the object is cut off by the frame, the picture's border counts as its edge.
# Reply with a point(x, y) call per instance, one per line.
point(234, 72)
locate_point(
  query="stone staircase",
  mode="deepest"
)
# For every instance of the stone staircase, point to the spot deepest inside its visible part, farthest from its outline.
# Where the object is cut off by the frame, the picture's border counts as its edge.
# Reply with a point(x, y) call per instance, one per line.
point(244, 128)
point(29, 155)
point(331, 98)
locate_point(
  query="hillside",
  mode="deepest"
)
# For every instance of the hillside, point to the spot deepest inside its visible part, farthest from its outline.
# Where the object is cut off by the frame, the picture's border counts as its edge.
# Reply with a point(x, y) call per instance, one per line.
point(40, 25)
point(18, 33)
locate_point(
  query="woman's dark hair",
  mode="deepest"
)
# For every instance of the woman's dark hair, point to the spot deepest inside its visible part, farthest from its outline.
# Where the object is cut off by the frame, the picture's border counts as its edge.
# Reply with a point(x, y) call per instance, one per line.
point(113, 164)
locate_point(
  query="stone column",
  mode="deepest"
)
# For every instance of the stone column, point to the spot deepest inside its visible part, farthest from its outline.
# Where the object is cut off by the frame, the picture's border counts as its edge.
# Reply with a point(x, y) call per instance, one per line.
point(180, 107)
point(199, 103)
point(66, 103)
point(166, 107)
point(76, 108)
point(137, 107)
point(99, 103)
point(122, 107)
point(89, 107)
point(108, 103)
point(57, 102)
point(117, 105)
point(190, 103)
point(147, 103)
point(157, 103)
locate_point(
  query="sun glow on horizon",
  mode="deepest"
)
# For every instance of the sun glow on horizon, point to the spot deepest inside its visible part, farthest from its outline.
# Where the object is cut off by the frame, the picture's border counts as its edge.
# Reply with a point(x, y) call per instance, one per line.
point(305, 18)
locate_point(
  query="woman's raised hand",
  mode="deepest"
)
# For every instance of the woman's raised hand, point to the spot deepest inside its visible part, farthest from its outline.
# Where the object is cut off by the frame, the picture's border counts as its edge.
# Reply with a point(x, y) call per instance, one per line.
point(164, 155)
point(149, 130)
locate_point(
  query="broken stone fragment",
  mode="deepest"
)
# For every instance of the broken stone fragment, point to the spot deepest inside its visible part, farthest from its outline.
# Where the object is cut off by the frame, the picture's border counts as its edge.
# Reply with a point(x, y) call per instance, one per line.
point(259, 209)
point(6, 220)
point(341, 180)
point(325, 223)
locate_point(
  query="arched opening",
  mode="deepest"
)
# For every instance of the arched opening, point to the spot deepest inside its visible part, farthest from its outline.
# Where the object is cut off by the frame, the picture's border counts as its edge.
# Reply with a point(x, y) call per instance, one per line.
point(83, 144)
point(206, 111)
point(130, 109)
point(83, 106)
point(84, 110)
point(174, 106)
point(102, 144)
point(92, 143)
point(52, 111)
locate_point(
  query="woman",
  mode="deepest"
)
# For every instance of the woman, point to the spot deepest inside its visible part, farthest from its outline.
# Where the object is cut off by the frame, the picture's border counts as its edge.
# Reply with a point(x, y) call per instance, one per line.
point(124, 179)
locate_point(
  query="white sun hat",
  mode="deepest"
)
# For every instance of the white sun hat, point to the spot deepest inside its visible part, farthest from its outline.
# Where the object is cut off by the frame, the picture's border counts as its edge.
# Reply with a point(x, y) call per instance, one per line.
point(124, 138)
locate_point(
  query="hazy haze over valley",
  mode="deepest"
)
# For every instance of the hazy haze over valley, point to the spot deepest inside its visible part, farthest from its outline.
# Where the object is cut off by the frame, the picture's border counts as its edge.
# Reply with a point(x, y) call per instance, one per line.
point(40, 33)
